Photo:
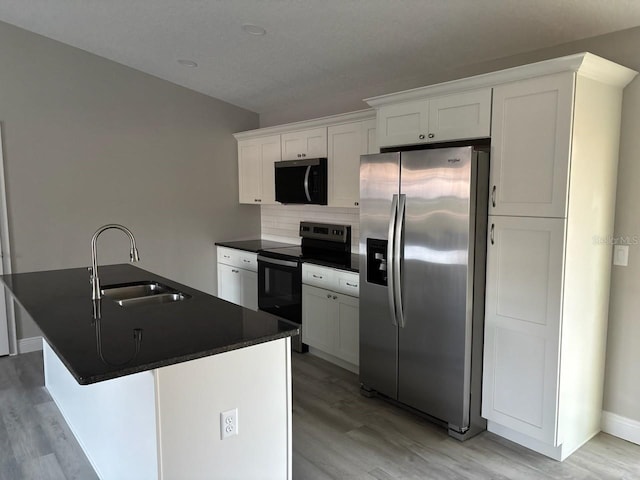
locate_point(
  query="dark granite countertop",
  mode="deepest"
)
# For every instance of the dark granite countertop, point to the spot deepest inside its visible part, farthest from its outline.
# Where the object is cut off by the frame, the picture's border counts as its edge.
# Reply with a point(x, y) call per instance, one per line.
point(60, 303)
point(353, 265)
point(254, 245)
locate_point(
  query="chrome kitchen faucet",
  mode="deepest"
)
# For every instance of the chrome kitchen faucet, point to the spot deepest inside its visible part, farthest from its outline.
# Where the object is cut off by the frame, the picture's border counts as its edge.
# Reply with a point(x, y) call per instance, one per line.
point(93, 269)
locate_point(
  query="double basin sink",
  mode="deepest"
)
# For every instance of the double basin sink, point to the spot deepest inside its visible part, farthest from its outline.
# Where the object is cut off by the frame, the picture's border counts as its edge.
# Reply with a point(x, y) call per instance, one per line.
point(142, 293)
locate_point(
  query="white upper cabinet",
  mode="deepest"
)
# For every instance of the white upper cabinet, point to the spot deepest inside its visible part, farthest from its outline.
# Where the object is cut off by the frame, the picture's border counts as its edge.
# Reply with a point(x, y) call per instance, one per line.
point(346, 143)
point(304, 144)
point(531, 146)
point(256, 156)
point(460, 116)
point(352, 134)
point(403, 123)
point(457, 116)
point(369, 138)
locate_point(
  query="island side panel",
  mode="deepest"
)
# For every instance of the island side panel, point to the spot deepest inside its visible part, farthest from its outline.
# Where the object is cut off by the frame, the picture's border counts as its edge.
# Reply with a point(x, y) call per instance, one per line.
point(114, 421)
point(190, 397)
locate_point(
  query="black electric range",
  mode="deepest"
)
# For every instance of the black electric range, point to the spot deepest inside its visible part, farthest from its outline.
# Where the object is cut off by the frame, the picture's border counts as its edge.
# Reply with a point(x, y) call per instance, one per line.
point(280, 270)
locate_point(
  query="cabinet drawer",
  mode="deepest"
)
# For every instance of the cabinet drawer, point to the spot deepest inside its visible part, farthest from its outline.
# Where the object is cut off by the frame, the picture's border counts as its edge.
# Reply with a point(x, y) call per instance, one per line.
point(333, 279)
point(238, 258)
point(317, 276)
point(349, 283)
point(248, 261)
point(228, 256)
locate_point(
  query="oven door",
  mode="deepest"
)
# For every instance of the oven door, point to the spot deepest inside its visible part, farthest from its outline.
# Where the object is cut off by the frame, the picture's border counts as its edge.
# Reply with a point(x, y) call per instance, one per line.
point(280, 288)
point(280, 292)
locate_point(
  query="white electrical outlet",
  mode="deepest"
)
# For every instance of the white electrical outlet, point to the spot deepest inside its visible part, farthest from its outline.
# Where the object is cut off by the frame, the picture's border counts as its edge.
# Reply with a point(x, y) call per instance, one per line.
point(621, 255)
point(228, 423)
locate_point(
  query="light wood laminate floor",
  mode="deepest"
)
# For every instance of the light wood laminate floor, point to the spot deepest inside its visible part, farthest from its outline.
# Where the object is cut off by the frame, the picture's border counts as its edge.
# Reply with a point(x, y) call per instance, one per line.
point(337, 434)
point(35, 441)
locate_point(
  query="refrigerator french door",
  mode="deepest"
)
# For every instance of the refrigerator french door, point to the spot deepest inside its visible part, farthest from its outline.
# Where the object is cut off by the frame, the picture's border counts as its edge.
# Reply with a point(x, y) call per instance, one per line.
point(423, 217)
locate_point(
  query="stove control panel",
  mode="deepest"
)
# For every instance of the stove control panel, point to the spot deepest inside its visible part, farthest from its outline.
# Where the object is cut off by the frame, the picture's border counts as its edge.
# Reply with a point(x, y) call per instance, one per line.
point(326, 231)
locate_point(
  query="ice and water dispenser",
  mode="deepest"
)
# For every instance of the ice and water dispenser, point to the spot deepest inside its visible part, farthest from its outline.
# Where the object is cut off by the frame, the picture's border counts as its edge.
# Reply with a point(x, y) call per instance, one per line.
point(377, 261)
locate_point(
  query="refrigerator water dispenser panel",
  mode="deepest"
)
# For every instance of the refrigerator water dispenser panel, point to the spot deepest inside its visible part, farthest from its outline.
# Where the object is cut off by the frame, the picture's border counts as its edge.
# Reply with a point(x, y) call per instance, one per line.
point(377, 261)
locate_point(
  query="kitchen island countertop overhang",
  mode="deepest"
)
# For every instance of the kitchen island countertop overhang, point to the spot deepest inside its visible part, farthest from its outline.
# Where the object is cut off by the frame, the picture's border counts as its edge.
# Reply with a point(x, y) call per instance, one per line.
point(94, 350)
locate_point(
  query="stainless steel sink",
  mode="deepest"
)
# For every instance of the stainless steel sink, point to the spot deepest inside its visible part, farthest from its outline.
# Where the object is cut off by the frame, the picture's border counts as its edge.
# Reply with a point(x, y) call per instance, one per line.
point(142, 293)
point(153, 299)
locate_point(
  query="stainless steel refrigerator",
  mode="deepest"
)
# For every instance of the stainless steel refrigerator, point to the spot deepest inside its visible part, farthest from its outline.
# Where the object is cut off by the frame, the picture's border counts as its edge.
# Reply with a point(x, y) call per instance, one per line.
point(423, 221)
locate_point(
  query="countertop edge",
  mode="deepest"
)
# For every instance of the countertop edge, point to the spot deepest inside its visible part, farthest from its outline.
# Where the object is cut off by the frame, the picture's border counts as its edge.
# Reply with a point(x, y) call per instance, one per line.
point(176, 360)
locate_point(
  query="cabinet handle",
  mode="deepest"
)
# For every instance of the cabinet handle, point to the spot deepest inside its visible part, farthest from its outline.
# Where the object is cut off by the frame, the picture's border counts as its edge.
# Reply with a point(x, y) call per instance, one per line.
point(316, 276)
point(257, 200)
point(431, 135)
point(246, 261)
point(493, 196)
point(492, 229)
point(299, 156)
point(328, 295)
point(335, 297)
point(226, 256)
point(234, 271)
point(351, 284)
point(304, 154)
point(356, 203)
point(421, 137)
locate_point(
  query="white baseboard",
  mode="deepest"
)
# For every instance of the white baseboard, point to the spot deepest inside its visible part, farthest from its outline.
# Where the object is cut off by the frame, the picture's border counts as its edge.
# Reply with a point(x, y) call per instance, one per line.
point(621, 427)
point(31, 344)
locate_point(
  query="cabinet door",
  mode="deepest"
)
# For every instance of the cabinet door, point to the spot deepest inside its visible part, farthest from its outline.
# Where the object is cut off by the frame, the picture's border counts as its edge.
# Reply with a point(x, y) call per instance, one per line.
point(530, 146)
point(304, 144)
point(522, 324)
point(369, 137)
point(347, 339)
point(229, 283)
point(249, 289)
point(256, 183)
point(460, 116)
point(403, 124)
point(318, 318)
point(345, 147)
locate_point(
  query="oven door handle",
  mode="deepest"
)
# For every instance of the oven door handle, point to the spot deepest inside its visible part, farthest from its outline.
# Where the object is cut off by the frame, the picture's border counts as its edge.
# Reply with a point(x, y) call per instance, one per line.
point(274, 261)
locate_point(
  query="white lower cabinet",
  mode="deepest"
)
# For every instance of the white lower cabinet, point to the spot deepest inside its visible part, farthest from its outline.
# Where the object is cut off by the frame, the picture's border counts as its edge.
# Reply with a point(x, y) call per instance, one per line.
point(522, 324)
point(330, 320)
point(238, 277)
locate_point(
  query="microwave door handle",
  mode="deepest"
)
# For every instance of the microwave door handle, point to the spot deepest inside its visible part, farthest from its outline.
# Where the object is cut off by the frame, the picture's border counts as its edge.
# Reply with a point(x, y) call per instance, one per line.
point(306, 183)
point(390, 271)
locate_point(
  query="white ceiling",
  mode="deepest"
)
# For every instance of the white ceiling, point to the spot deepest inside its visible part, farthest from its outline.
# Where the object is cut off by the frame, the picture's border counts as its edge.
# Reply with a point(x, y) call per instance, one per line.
point(312, 48)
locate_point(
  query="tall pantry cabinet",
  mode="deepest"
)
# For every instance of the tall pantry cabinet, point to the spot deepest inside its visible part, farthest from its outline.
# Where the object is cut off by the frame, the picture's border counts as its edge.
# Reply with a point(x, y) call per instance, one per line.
point(554, 155)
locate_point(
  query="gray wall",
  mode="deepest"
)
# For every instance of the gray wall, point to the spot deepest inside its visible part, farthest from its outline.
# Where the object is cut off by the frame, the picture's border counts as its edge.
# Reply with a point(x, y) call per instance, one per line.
point(622, 389)
point(88, 141)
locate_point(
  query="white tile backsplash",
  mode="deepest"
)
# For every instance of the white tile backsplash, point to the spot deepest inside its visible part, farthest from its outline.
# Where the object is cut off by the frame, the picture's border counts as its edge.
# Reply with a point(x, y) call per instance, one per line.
point(282, 222)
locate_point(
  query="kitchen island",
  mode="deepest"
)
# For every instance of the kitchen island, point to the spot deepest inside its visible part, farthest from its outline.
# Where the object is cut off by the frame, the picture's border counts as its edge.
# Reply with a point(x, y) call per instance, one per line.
point(143, 386)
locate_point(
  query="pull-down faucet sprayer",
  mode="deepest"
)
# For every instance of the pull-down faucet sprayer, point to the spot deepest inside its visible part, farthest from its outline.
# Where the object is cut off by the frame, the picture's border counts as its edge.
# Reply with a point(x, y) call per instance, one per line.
point(93, 270)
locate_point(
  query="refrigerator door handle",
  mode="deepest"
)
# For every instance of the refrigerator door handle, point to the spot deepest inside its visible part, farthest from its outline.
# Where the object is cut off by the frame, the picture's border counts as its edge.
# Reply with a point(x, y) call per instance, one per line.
point(397, 259)
point(390, 257)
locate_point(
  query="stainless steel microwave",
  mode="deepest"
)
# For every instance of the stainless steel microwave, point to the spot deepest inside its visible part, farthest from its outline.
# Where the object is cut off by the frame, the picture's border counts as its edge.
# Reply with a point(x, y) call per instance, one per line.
point(301, 181)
